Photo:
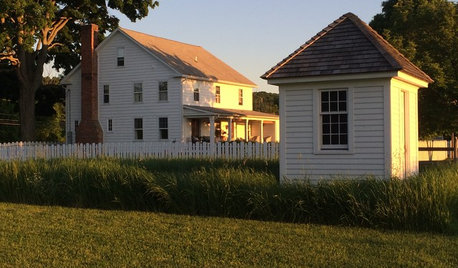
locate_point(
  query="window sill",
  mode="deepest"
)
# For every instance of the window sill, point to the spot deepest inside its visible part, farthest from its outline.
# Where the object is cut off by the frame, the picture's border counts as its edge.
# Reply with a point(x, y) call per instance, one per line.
point(333, 152)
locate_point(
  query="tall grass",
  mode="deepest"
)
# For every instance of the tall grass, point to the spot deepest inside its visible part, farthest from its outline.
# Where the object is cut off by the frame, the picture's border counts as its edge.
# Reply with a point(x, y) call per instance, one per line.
point(243, 189)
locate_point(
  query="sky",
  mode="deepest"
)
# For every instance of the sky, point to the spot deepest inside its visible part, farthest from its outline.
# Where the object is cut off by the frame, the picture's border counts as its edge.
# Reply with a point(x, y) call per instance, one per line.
point(249, 35)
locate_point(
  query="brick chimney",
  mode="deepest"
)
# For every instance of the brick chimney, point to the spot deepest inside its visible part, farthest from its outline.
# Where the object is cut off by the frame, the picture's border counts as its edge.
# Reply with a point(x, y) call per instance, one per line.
point(89, 129)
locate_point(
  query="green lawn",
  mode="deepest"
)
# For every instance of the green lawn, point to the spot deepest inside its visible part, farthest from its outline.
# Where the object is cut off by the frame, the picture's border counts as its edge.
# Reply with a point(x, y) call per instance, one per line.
point(68, 237)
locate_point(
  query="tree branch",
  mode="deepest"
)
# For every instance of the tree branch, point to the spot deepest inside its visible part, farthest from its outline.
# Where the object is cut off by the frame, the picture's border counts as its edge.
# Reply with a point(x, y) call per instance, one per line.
point(54, 45)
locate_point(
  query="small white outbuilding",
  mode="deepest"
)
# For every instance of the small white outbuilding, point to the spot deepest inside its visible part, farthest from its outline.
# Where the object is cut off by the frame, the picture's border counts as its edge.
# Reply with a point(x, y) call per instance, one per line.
point(348, 105)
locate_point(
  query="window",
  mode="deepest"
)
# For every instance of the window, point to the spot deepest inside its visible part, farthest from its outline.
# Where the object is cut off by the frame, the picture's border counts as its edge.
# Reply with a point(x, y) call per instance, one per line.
point(163, 88)
point(196, 94)
point(334, 119)
point(138, 128)
point(110, 125)
point(240, 96)
point(76, 124)
point(120, 58)
point(163, 128)
point(138, 92)
point(106, 94)
point(218, 94)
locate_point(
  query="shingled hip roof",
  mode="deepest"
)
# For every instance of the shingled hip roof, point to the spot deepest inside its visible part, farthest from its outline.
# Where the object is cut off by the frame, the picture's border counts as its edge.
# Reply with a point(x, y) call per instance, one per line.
point(346, 46)
point(188, 60)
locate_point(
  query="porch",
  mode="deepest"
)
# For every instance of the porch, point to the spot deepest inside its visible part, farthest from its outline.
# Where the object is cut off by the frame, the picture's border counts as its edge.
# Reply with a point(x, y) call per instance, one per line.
point(228, 125)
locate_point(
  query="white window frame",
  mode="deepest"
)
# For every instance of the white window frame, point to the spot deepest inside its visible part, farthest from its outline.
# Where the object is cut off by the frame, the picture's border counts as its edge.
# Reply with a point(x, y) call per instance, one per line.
point(161, 128)
point(138, 94)
point(163, 94)
point(136, 137)
point(196, 94)
point(106, 93)
point(217, 94)
point(318, 147)
point(120, 57)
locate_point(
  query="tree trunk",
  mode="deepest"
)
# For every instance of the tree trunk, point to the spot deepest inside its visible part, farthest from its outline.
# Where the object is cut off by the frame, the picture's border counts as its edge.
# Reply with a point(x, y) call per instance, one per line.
point(30, 75)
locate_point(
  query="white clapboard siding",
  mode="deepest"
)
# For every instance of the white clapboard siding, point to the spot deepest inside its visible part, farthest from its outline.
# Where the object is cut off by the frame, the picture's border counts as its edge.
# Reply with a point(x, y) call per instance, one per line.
point(367, 157)
point(30, 150)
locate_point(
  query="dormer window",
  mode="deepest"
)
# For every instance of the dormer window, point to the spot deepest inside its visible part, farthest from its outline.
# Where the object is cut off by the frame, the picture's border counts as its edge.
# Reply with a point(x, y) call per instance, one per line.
point(120, 58)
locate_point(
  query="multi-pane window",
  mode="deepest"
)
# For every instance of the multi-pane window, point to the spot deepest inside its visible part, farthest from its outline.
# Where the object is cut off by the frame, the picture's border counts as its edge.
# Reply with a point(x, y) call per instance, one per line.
point(110, 125)
point(138, 92)
point(196, 94)
point(120, 58)
point(163, 128)
point(163, 89)
point(334, 119)
point(217, 94)
point(76, 124)
point(106, 94)
point(138, 128)
point(240, 96)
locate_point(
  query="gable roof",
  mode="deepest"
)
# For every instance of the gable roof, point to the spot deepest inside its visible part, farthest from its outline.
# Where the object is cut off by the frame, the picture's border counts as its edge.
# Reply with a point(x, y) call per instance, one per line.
point(346, 46)
point(188, 60)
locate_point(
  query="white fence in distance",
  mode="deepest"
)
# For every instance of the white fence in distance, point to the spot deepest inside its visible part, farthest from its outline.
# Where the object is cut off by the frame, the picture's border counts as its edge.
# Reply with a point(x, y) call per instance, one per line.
point(233, 150)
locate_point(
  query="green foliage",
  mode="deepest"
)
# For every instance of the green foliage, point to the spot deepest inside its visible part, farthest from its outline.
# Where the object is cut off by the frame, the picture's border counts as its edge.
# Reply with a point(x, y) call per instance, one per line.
point(265, 102)
point(241, 189)
point(425, 31)
point(51, 128)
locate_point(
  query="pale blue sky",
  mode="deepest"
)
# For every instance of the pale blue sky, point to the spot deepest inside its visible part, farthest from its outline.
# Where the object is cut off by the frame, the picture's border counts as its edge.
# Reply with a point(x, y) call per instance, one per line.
point(249, 35)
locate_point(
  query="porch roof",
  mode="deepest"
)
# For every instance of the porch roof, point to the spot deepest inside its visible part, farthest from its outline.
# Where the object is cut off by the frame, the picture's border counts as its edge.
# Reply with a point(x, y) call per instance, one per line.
point(192, 110)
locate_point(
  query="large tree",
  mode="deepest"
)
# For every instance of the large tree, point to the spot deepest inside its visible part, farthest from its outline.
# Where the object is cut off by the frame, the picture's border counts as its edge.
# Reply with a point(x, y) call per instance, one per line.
point(32, 32)
point(425, 31)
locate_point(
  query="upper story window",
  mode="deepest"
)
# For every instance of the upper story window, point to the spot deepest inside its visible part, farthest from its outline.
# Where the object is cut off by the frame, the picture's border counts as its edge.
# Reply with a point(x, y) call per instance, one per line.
point(120, 58)
point(334, 119)
point(196, 94)
point(138, 92)
point(163, 91)
point(163, 128)
point(106, 94)
point(138, 128)
point(240, 96)
point(217, 94)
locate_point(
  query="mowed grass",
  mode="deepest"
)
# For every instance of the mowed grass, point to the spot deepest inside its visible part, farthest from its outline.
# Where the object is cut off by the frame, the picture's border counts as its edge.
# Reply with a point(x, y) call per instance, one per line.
point(51, 236)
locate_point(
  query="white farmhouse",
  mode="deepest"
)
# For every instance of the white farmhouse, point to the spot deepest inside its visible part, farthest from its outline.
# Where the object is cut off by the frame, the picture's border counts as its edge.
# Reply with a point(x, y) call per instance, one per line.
point(348, 105)
point(137, 87)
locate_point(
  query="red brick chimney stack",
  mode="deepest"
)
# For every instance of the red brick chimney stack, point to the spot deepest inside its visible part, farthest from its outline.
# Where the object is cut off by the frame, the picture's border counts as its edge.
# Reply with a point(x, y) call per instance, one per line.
point(89, 129)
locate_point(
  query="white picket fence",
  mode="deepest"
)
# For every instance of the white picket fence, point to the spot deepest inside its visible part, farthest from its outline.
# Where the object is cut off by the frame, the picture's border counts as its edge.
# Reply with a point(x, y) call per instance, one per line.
point(233, 150)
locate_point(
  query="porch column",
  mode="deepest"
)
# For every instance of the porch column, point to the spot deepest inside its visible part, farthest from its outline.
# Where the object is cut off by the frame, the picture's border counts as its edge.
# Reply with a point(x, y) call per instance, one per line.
point(246, 130)
point(229, 130)
point(212, 135)
point(262, 131)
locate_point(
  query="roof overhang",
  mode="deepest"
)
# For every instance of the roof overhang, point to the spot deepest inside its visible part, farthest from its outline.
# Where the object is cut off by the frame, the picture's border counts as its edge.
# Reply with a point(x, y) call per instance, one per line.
point(411, 80)
point(328, 78)
point(205, 112)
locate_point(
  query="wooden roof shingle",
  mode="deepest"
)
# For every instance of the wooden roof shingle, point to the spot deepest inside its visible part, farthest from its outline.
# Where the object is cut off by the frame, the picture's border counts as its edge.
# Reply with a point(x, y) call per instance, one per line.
point(188, 60)
point(346, 46)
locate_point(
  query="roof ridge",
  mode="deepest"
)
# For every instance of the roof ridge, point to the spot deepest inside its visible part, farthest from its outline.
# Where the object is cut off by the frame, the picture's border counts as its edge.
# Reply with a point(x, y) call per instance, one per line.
point(167, 39)
point(305, 45)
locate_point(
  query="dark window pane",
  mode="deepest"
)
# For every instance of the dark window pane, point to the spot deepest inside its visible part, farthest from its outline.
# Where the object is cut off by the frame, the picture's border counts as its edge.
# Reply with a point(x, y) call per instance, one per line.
point(342, 95)
point(333, 96)
point(325, 96)
point(106, 98)
point(139, 134)
point(163, 122)
point(324, 107)
point(343, 139)
point(326, 118)
point(335, 139)
point(326, 128)
point(343, 118)
point(138, 123)
point(326, 140)
point(335, 128)
point(343, 128)
point(342, 106)
point(334, 118)
point(333, 106)
point(120, 61)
